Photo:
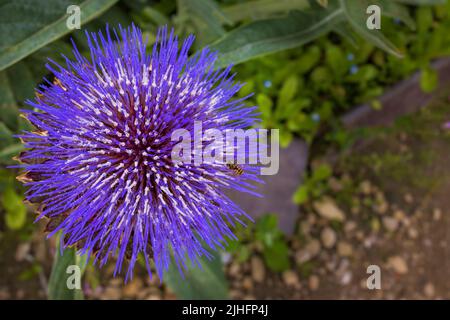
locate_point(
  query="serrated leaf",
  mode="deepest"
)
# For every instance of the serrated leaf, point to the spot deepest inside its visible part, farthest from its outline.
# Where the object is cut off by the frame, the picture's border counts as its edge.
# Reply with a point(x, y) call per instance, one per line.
point(207, 282)
point(27, 27)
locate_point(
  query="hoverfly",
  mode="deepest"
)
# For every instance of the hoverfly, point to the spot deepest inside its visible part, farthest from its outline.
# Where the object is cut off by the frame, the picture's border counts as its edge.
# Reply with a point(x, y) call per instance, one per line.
point(237, 169)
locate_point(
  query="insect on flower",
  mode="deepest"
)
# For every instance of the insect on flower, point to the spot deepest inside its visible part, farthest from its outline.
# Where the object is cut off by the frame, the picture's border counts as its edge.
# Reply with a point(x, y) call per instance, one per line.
point(237, 169)
point(99, 162)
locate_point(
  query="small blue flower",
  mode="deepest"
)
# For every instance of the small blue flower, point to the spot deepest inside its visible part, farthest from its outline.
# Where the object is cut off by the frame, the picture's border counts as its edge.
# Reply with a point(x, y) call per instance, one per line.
point(354, 69)
point(267, 83)
point(350, 57)
point(315, 117)
point(99, 163)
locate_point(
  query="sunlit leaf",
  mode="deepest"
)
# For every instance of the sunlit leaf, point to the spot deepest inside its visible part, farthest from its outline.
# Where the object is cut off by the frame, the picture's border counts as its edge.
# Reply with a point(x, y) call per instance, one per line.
point(26, 27)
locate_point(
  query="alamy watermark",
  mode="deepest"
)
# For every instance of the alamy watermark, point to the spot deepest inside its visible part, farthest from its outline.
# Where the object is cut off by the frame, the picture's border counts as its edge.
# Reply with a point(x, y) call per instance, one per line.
point(373, 22)
point(73, 281)
point(228, 146)
point(74, 19)
point(374, 280)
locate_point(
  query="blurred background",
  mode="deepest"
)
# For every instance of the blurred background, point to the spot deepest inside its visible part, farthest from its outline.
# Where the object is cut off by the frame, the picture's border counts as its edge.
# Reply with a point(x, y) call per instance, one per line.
point(364, 119)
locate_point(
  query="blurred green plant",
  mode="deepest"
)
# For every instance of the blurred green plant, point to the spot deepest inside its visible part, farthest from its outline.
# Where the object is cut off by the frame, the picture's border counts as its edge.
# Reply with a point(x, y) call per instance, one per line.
point(266, 235)
point(58, 288)
point(12, 201)
point(304, 91)
point(314, 185)
point(204, 281)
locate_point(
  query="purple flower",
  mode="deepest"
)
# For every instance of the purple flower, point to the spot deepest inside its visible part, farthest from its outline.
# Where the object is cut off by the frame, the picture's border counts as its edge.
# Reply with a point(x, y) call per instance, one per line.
point(99, 163)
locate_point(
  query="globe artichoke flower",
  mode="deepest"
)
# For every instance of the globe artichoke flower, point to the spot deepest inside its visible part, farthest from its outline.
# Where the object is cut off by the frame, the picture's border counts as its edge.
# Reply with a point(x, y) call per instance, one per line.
point(99, 161)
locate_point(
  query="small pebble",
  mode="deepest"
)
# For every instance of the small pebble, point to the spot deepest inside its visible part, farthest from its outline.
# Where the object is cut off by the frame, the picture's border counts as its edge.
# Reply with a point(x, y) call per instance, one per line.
point(258, 269)
point(313, 282)
point(290, 278)
point(398, 264)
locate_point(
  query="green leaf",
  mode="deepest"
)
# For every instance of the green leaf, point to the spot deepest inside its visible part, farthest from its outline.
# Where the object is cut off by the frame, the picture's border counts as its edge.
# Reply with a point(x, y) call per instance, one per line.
point(322, 172)
point(205, 15)
point(288, 91)
point(271, 35)
point(365, 73)
point(57, 285)
point(261, 9)
point(16, 212)
point(344, 30)
point(297, 28)
point(265, 105)
point(276, 256)
point(285, 138)
point(155, 16)
point(321, 77)
point(336, 60)
point(207, 282)
point(16, 85)
point(267, 223)
point(301, 195)
point(8, 108)
point(308, 60)
point(428, 79)
point(21, 80)
point(25, 28)
point(424, 18)
point(10, 151)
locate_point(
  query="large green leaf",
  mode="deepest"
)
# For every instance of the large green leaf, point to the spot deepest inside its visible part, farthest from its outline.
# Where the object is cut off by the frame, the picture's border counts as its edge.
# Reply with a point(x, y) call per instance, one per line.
point(207, 282)
point(57, 285)
point(262, 9)
point(299, 27)
point(29, 25)
point(271, 35)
